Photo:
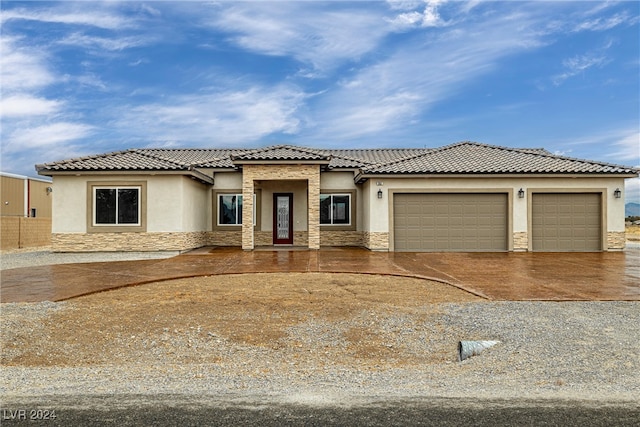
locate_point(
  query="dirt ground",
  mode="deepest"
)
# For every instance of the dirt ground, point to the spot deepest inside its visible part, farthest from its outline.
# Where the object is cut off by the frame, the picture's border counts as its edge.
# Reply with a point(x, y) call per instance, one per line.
point(633, 232)
point(353, 318)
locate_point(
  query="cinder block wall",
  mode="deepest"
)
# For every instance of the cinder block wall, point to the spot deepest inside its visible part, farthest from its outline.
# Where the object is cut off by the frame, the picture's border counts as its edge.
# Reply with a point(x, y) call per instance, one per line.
point(21, 232)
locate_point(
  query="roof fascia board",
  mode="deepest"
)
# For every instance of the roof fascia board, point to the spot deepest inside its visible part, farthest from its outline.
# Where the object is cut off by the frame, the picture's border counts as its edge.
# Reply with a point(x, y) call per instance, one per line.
point(362, 177)
point(195, 174)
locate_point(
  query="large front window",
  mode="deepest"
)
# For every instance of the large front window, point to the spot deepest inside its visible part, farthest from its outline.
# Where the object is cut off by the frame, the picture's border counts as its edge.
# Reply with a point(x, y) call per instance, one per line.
point(335, 209)
point(116, 206)
point(230, 209)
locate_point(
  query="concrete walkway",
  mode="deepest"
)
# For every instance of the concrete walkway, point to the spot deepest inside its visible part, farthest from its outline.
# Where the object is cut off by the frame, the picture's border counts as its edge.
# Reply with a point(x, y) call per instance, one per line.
point(497, 276)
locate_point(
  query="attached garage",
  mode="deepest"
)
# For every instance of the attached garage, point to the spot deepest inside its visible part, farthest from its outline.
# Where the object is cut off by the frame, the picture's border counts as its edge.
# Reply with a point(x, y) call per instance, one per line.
point(566, 222)
point(447, 222)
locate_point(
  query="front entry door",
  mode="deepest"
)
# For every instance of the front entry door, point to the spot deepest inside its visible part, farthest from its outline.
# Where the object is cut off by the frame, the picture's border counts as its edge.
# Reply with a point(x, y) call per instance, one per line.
point(283, 219)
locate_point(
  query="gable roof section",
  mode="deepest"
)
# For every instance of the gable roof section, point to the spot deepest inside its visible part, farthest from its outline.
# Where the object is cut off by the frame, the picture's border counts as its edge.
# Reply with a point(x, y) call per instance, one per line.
point(281, 153)
point(475, 158)
point(459, 158)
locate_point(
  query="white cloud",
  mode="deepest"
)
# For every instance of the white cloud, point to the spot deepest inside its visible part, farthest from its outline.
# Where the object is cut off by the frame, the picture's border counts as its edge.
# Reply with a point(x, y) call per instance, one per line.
point(46, 135)
point(305, 31)
point(429, 17)
point(404, 4)
point(102, 43)
point(223, 118)
point(22, 105)
point(602, 24)
point(23, 67)
point(391, 92)
point(628, 147)
point(579, 64)
point(62, 15)
point(632, 190)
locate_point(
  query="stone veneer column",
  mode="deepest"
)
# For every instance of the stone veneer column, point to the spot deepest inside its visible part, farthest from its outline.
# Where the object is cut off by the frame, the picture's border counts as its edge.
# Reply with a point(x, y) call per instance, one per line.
point(520, 241)
point(616, 240)
point(247, 209)
point(314, 209)
point(281, 172)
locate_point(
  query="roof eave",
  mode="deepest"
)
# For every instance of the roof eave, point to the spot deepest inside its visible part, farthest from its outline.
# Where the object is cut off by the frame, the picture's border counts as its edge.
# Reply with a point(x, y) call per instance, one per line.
point(362, 176)
point(206, 179)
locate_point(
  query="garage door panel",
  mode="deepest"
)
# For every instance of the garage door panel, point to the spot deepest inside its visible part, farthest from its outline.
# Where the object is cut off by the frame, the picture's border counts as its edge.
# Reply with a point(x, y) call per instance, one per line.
point(453, 222)
point(566, 222)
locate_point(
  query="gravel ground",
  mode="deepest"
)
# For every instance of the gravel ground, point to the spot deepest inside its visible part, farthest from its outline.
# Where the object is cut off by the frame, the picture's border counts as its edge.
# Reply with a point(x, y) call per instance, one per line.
point(575, 351)
point(383, 349)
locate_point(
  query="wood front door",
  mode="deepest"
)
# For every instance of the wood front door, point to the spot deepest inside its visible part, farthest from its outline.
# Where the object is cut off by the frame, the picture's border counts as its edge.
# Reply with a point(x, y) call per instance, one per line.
point(283, 218)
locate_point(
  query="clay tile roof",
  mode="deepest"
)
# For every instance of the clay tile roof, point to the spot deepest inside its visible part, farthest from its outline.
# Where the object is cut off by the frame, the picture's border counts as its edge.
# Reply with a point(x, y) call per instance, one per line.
point(280, 152)
point(459, 158)
point(116, 161)
point(475, 158)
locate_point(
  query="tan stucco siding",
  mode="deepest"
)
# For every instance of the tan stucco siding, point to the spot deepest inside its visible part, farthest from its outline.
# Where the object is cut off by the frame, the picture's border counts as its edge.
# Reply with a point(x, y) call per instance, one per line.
point(615, 207)
point(343, 182)
point(196, 206)
point(227, 181)
point(174, 203)
point(70, 204)
point(300, 202)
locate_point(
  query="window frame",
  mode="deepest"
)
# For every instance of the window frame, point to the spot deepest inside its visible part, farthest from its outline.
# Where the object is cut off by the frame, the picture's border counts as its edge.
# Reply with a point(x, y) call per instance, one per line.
point(236, 193)
point(94, 227)
point(351, 211)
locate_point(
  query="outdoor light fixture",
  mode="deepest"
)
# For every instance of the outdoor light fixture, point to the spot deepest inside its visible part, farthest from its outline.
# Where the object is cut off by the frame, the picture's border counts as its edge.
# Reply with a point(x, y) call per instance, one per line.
point(617, 194)
point(521, 193)
point(379, 194)
point(49, 190)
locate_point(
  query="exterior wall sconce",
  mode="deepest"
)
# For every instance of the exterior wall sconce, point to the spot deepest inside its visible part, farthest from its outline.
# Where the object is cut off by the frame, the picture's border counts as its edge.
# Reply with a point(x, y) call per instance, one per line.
point(617, 194)
point(49, 190)
point(521, 193)
point(379, 194)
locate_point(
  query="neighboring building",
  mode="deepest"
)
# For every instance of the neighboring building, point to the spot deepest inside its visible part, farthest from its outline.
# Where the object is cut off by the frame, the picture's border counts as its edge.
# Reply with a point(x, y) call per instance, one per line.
point(461, 197)
point(25, 211)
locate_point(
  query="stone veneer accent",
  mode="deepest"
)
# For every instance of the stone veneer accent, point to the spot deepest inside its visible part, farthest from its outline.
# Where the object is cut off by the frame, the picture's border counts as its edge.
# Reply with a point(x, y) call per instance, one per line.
point(616, 240)
point(309, 173)
point(265, 238)
point(520, 241)
point(376, 240)
point(341, 238)
point(142, 242)
point(225, 238)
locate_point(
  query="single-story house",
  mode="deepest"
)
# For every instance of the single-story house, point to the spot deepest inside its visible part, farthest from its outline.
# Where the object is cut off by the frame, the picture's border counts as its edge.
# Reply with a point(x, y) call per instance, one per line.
point(461, 197)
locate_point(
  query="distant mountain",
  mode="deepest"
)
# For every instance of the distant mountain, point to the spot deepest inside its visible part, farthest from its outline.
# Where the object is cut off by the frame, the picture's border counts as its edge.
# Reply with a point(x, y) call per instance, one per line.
point(632, 209)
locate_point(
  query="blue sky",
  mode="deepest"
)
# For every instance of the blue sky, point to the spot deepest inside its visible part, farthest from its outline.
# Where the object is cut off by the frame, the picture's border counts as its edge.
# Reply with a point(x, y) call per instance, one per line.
point(90, 77)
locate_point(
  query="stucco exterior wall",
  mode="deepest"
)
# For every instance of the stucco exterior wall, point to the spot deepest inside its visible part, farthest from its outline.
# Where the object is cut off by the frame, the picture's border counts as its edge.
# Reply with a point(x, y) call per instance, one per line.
point(174, 203)
point(227, 181)
point(341, 181)
point(181, 209)
point(70, 204)
point(379, 218)
point(196, 206)
point(300, 203)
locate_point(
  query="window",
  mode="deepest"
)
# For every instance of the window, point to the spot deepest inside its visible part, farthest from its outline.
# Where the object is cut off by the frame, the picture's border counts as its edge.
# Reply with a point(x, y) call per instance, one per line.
point(335, 209)
point(116, 206)
point(230, 209)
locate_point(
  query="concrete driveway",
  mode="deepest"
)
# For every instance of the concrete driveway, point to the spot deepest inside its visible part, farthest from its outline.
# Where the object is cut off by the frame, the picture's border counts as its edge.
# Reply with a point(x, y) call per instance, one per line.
point(601, 276)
